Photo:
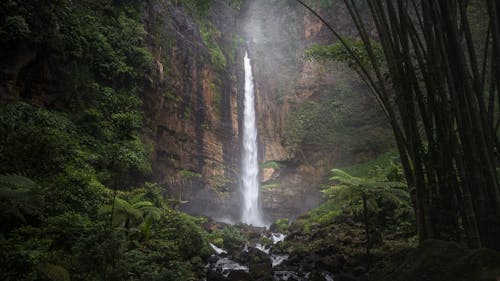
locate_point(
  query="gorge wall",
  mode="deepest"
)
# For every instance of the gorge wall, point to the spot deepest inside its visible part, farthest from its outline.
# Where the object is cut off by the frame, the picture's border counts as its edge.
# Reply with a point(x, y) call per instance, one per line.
point(172, 72)
point(309, 115)
point(193, 107)
point(312, 116)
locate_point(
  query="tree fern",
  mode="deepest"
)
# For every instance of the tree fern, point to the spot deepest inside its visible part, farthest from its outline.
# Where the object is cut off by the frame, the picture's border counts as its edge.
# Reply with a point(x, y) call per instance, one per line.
point(122, 211)
point(20, 199)
point(54, 272)
point(17, 182)
point(135, 213)
point(352, 189)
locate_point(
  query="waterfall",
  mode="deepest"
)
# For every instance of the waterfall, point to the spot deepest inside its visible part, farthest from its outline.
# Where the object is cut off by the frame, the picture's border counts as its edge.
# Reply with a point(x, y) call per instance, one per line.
point(251, 213)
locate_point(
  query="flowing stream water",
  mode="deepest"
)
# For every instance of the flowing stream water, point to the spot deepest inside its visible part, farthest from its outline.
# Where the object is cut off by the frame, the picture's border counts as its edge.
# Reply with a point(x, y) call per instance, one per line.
point(251, 213)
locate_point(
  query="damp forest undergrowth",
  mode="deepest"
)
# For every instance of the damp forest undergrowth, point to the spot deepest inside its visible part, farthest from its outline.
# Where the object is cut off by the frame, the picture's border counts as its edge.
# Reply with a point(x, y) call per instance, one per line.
point(82, 199)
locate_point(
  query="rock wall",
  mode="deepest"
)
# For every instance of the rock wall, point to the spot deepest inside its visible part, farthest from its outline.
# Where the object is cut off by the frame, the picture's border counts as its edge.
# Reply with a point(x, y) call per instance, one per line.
point(289, 88)
point(192, 107)
point(192, 99)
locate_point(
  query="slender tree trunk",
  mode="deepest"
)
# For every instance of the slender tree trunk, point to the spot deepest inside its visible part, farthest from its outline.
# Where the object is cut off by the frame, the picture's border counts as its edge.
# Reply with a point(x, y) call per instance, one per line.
point(367, 230)
point(113, 203)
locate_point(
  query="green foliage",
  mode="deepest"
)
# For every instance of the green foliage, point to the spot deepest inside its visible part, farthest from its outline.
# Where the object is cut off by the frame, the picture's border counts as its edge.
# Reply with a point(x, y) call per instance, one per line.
point(156, 240)
point(236, 4)
point(337, 52)
point(325, 214)
point(385, 166)
point(54, 272)
point(353, 188)
point(186, 235)
point(340, 118)
point(271, 164)
point(31, 20)
point(187, 174)
point(57, 163)
point(270, 185)
point(28, 131)
point(209, 35)
point(282, 225)
point(21, 200)
point(198, 8)
point(387, 201)
point(228, 238)
point(15, 28)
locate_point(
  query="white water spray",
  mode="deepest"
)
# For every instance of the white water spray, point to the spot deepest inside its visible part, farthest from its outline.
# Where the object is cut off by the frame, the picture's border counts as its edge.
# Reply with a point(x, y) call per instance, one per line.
point(250, 168)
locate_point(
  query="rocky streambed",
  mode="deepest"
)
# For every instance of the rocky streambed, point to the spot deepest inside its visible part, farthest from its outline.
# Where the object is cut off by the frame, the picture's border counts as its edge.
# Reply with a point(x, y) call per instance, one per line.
point(264, 256)
point(337, 251)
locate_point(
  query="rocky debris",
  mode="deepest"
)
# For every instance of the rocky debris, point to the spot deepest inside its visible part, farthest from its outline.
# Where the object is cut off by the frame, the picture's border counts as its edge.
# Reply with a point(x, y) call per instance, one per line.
point(337, 252)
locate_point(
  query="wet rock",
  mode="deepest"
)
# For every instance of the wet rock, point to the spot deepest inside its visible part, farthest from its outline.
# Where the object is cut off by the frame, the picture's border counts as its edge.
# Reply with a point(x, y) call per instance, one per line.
point(358, 271)
point(345, 277)
point(238, 276)
point(278, 259)
point(290, 276)
point(328, 250)
point(275, 228)
point(260, 265)
point(364, 277)
point(215, 276)
point(220, 268)
point(333, 263)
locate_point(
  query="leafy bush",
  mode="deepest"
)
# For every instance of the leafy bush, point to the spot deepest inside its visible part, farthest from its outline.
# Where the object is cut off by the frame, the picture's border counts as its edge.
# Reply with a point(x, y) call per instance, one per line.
point(57, 163)
point(282, 225)
point(270, 164)
point(230, 237)
point(209, 35)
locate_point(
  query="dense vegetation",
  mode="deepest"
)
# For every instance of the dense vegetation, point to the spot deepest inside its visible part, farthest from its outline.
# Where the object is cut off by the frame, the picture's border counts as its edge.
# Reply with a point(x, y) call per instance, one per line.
point(74, 201)
point(434, 76)
point(373, 193)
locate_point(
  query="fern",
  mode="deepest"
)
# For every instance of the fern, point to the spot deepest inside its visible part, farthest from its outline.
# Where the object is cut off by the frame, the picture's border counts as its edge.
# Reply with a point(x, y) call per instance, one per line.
point(20, 198)
point(54, 272)
point(17, 182)
point(352, 189)
point(136, 213)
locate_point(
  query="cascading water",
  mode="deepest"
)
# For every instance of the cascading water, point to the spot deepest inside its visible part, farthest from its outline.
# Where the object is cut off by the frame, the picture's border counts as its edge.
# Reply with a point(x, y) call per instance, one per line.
point(251, 213)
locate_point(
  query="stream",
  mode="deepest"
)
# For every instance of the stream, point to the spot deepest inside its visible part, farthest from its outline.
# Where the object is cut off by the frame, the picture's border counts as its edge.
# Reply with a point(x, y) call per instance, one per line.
point(257, 261)
point(261, 258)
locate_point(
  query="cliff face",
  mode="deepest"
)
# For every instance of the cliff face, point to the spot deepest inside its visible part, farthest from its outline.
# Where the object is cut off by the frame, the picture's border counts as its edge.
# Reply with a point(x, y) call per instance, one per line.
point(192, 109)
point(309, 115)
point(312, 117)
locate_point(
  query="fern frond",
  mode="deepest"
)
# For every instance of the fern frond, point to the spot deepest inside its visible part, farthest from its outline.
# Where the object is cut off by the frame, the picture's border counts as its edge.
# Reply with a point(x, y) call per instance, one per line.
point(138, 197)
point(142, 204)
point(121, 207)
point(54, 272)
point(372, 205)
point(153, 212)
point(17, 182)
point(341, 174)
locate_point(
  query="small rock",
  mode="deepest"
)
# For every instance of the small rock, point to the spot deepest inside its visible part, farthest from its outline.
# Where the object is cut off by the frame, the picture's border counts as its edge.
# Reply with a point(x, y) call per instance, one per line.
point(345, 277)
point(238, 276)
point(359, 270)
